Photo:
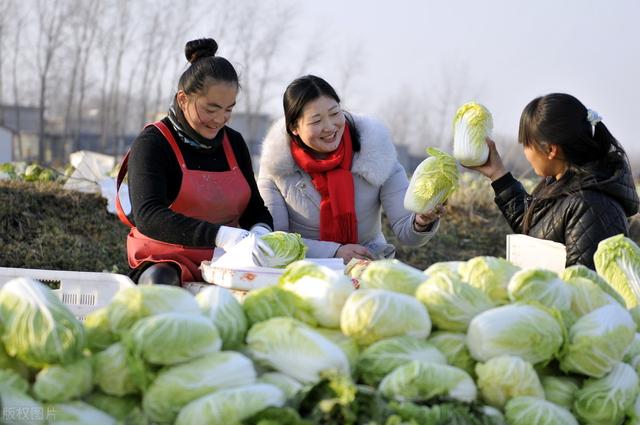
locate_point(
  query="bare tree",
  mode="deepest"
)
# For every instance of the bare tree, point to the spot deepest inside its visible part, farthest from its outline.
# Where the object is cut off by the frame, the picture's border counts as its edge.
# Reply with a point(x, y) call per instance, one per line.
point(83, 83)
point(16, 83)
point(114, 38)
point(117, 56)
point(421, 117)
point(152, 40)
point(399, 112)
point(6, 11)
point(124, 35)
point(106, 53)
point(244, 48)
point(181, 16)
point(262, 31)
point(313, 52)
point(128, 98)
point(350, 66)
point(52, 15)
point(449, 92)
point(83, 31)
point(435, 109)
point(222, 20)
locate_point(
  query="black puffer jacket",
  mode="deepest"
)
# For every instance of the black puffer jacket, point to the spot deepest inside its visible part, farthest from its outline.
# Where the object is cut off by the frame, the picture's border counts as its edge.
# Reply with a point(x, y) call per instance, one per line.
point(593, 206)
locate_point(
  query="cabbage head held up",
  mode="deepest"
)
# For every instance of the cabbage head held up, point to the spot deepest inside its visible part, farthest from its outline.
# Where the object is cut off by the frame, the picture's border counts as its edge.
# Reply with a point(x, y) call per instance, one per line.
point(433, 181)
point(471, 126)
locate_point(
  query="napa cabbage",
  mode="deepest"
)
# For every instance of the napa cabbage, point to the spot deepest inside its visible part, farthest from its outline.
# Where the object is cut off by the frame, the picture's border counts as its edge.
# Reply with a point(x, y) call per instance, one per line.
point(511, 329)
point(287, 248)
point(471, 126)
point(370, 315)
point(617, 260)
point(432, 182)
point(226, 313)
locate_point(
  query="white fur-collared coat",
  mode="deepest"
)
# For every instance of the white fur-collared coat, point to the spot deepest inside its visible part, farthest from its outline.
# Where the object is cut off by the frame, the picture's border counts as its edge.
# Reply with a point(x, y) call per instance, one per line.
point(380, 183)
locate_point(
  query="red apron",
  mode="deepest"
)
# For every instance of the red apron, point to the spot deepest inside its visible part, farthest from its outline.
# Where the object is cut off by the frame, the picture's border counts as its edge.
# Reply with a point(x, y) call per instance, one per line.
point(216, 197)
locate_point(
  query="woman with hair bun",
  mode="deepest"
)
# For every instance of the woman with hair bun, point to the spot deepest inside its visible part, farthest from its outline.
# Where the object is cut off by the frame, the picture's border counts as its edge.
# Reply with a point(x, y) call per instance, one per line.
point(191, 182)
point(587, 192)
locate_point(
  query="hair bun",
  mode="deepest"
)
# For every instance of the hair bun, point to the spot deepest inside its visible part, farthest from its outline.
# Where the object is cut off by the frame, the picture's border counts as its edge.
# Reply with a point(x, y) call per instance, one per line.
point(200, 48)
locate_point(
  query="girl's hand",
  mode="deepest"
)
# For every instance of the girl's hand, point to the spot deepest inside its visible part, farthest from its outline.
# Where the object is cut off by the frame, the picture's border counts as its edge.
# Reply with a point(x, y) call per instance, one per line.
point(422, 222)
point(349, 251)
point(493, 168)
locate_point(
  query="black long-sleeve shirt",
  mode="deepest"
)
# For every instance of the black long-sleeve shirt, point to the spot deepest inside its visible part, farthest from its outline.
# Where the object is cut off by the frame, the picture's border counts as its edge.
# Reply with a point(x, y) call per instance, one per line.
point(155, 177)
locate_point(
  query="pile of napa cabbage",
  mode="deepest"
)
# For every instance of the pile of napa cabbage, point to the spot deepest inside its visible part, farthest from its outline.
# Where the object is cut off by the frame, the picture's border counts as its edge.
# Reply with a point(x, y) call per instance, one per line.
point(477, 342)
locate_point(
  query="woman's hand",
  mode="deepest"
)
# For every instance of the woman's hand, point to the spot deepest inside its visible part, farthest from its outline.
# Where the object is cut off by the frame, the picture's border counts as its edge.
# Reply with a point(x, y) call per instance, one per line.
point(349, 251)
point(493, 168)
point(423, 222)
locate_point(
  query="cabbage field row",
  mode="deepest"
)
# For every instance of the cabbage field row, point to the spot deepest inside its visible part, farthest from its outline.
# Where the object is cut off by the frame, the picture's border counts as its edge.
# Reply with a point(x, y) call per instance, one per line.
point(474, 342)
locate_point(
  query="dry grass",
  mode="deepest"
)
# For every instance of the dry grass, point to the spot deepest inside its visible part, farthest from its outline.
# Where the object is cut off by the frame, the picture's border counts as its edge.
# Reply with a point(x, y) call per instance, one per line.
point(44, 226)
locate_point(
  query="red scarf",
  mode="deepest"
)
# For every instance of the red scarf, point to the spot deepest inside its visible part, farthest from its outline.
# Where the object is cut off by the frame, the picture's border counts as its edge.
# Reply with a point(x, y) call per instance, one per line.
point(332, 177)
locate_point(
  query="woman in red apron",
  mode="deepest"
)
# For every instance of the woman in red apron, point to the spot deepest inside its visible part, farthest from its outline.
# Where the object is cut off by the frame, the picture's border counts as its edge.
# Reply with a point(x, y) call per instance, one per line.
point(191, 182)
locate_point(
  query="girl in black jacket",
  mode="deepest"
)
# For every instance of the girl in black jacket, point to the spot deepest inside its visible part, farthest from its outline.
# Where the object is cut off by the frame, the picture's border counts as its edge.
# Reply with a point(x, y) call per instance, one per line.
point(587, 192)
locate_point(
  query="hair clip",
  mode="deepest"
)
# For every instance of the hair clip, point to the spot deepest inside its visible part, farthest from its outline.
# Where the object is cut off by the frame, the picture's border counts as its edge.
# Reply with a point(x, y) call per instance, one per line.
point(593, 117)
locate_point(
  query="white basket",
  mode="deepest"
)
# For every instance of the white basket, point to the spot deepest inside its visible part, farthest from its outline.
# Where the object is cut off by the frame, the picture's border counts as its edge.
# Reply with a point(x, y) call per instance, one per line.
point(82, 292)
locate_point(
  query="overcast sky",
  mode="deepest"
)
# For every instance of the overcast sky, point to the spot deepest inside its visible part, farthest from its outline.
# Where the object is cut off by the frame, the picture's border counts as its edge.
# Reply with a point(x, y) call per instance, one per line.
point(507, 53)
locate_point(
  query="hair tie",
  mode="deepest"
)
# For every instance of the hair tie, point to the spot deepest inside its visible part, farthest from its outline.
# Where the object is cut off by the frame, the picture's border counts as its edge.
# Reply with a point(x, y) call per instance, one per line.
point(593, 117)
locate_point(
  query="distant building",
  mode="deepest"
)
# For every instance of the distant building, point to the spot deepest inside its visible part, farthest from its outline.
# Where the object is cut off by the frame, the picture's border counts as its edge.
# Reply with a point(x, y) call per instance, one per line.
point(87, 135)
point(253, 129)
point(407, 159)
point(6, 145)
point(24, 123)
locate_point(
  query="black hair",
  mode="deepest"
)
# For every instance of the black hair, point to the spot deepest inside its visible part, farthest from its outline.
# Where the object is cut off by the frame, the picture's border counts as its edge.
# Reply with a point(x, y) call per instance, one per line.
point(306, 89)
point(205, 65)
point(561, 119)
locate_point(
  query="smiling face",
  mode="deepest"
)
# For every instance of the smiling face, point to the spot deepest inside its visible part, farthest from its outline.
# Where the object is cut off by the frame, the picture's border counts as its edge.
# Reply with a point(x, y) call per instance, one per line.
point(208, 112)
point(321, 124)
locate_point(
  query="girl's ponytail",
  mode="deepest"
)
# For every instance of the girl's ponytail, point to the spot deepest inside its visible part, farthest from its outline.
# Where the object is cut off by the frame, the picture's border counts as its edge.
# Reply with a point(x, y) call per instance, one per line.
point(607, 144)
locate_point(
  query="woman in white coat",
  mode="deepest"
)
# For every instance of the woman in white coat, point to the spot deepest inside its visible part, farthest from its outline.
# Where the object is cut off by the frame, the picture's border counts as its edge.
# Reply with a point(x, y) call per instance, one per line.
point(328, 175)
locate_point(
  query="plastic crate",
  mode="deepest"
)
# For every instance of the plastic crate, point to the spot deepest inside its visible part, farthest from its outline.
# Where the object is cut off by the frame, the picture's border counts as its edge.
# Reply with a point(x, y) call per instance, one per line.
point(82, 292)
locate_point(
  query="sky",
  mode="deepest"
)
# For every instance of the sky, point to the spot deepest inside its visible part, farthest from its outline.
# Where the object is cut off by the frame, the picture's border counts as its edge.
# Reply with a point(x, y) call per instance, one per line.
point(504, 53)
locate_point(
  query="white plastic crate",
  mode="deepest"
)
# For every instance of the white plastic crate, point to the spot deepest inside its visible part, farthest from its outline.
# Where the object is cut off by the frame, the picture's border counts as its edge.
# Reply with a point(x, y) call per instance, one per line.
point(82, 292)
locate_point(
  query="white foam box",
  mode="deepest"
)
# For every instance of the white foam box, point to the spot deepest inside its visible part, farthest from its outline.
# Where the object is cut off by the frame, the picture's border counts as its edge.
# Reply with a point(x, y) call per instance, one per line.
point(527, 252)
point(81, 292)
